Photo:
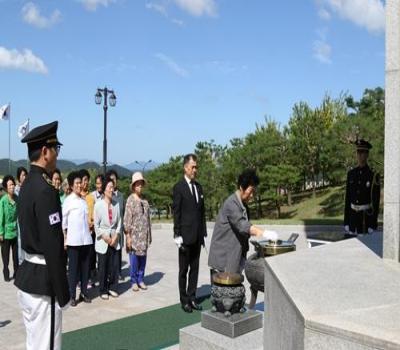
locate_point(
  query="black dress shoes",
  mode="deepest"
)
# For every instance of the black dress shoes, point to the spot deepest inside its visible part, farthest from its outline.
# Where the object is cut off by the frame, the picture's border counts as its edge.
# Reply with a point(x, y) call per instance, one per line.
point(187, 308)
point(196, 306)
point(85, 298)
point(73, 302)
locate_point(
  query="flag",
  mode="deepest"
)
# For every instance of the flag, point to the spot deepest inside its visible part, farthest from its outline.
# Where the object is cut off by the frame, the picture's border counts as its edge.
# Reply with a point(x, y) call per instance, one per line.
point(5, 112)
point(23, 129)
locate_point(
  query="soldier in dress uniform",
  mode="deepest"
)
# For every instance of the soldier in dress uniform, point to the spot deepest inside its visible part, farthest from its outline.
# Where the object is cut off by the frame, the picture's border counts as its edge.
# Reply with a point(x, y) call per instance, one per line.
point(362, 195)
point(42, 277)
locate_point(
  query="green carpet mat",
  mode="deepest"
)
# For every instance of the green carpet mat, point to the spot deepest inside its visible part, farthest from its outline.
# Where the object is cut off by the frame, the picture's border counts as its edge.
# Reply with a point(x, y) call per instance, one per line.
point(150, 330)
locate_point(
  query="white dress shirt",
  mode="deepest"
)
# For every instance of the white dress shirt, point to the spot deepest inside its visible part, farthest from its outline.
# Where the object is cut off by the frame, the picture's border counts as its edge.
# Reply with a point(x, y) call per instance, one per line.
point(75, 221)
point(190, 187)
point(97, 196)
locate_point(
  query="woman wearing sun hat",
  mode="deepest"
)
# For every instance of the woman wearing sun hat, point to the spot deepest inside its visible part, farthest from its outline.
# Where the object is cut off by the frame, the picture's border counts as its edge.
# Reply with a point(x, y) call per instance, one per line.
point(138, 231)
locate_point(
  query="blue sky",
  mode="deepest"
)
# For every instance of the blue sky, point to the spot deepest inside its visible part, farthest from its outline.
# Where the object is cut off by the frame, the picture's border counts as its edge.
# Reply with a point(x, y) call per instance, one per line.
point(183, 70)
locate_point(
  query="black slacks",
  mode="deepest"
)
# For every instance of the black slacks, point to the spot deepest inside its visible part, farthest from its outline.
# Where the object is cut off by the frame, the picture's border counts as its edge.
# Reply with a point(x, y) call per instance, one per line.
point(78, 268)
point(188, 261)
point(92, 263)
point(6, 245)
point(108, 265)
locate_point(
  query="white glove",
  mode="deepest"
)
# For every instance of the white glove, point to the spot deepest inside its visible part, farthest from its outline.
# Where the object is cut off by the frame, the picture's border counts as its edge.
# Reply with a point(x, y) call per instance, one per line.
point(178, 241)
point(370, 230)
point(270, 235)
point(347, 228)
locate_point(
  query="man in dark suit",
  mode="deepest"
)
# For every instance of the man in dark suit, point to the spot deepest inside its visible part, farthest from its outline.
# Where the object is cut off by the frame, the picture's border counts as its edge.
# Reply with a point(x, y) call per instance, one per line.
point(189, 231)
point(42, 277)
point(362, 195)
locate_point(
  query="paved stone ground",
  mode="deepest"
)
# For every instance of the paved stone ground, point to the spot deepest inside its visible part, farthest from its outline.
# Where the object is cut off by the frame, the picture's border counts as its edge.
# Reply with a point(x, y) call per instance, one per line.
point(161, 278)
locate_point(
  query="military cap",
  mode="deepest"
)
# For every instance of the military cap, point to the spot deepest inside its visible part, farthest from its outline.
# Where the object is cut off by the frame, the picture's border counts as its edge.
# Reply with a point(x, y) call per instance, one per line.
point(43, 135)
point(362, 145)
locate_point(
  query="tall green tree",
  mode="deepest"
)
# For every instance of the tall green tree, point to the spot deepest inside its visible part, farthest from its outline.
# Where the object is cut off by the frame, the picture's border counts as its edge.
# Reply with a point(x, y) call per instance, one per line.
point(368, 119)
point(210, 176)
point(310, 136)
point(160, 184)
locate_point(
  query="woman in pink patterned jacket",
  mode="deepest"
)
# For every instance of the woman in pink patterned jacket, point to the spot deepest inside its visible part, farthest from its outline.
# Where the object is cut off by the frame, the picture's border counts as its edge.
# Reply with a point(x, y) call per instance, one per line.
point(138, 231)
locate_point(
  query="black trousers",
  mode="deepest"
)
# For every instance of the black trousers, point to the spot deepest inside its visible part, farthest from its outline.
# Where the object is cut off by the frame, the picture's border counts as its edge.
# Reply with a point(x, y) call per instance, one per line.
point(108, 265)
point(6, 245)
point(360, 221)
point(119, 253)
point(188, 261)
point(92, 263)
point(78, 268)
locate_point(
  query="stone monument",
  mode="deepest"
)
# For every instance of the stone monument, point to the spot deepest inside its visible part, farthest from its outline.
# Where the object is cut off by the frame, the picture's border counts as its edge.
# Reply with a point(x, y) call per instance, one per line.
point(391, 239)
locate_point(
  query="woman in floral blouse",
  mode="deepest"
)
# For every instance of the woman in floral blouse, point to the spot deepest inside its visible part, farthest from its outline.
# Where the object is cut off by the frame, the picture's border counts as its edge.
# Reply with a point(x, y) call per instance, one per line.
point(138, 231)
point(8, 226)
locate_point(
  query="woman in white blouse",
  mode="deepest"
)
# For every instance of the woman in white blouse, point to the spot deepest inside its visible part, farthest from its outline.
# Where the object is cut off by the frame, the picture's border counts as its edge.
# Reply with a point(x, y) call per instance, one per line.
point(107, 226)
point(77, 238)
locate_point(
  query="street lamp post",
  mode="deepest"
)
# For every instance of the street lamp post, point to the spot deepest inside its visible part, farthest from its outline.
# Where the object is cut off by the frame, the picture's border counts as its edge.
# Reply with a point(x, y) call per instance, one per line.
point(143, 164)
point(112, 99)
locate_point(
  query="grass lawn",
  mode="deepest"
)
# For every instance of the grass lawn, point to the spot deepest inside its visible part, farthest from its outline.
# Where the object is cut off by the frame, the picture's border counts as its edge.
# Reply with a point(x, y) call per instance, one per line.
point(326, 208)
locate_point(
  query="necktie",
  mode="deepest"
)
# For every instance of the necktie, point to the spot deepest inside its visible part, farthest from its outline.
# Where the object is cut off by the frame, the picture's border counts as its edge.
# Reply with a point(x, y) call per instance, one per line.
point(193, 191)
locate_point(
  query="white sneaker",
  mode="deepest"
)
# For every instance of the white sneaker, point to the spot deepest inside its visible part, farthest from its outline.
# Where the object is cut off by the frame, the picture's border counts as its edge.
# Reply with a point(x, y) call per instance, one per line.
point(113, 294)
point(104, 296)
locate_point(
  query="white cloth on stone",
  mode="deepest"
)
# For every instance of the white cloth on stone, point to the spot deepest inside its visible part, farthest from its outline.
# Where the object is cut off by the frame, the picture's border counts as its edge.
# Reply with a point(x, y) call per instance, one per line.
point(270, 235)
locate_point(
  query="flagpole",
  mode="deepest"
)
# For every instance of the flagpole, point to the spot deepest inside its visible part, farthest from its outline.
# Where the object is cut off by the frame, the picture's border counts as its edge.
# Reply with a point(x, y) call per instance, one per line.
point(27, 158)
point(9, 139)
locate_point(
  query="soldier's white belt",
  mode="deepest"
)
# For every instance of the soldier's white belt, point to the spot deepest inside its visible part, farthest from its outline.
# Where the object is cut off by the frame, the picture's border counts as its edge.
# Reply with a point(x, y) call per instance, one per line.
point(362, 207)
point(35, 259)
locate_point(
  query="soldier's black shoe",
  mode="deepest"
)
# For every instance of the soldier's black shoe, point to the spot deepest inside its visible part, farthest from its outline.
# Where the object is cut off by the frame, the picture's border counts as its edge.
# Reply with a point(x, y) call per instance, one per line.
point(187, 308)
point(73, 302)
point(196, 306)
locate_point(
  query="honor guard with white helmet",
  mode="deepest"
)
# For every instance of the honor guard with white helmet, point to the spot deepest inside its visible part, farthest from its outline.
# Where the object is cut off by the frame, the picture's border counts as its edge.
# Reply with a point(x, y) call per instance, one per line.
point(362, 195)
point(42, 277)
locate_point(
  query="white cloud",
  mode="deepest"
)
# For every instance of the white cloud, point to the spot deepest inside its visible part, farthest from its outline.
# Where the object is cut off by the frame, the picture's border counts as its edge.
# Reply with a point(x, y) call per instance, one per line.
point(92, 5)
point(324, 14)
point(172, 65)
point(322, 51)
point(161, 8)
point(178, 22)
point(25, 60)
point(369, 14)
point(31, 14)
point(198, 8)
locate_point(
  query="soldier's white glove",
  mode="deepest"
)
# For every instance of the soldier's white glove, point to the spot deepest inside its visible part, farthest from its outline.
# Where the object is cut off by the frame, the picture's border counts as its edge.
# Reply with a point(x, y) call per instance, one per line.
point(370, 230)
point(270, 235)
point(178, 241)
point(347, 228)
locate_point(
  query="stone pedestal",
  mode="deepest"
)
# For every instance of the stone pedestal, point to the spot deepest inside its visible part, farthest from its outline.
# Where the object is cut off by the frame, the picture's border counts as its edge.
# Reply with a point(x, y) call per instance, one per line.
point(336, 296)
point(391, 247)
point(196, 337)
point(232, 326)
